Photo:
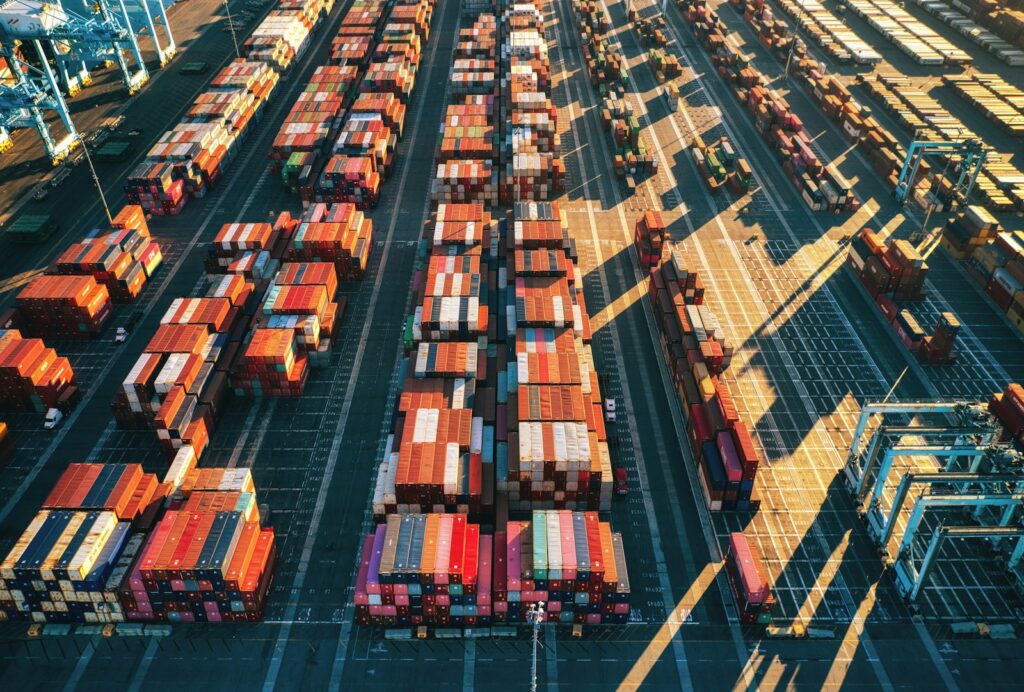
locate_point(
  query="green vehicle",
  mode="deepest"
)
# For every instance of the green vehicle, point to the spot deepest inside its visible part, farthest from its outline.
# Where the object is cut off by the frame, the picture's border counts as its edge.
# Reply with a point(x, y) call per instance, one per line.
point(407, 340)
point(114, 151)
point(195, 68)
point(32, 228)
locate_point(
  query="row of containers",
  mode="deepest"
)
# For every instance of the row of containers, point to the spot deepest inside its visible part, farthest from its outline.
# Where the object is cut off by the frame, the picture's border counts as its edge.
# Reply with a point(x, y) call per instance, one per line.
point(999, 185)
point(72, 299)
point(111, 543)
point(992, 256)
point(191, 548)
point(338, 142)
point(698, 354)
point(490, 486)
point(109, 548)
point(893, 275)
point(607, 70)
point(1008, 407)
point(114, 544)
point(819, 182)
point(499, 136)
point(836, 102)
point(190, 158)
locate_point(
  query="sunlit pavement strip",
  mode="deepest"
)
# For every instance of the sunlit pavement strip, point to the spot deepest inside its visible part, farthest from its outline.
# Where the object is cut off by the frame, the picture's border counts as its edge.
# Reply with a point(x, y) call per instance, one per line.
point(140, 673)
point(840, 666)
point(668, 631)
point(880, 673)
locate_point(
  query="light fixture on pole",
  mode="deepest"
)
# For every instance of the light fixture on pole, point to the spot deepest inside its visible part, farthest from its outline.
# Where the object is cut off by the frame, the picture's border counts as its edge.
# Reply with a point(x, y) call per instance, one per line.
point(535, 616)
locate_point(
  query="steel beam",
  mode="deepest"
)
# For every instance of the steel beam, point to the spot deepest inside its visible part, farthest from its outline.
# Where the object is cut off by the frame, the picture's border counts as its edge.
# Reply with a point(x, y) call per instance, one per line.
point(911, 580)
point(886, 528)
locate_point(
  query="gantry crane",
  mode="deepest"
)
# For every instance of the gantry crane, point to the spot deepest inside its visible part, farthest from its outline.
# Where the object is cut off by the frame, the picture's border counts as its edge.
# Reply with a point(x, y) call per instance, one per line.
point(76, 41)
point(972, 157)
point(975, 490)
point(963, 423)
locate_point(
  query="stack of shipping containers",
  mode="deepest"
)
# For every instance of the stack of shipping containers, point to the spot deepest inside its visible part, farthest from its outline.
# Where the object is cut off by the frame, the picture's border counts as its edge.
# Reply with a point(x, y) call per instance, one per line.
point(571, 562)
point(73, 299)
point(64, 307)
point(993, 257)
point(96, 553)
point(32, 377)
point(296, 322)
point(190, 158)
point(1008, 407)
point(698, 353)
point(207, 559)
point(308, 130)
point(122, 258)
point(893, 275)
point(113, 544)
point(530, 166)
point(499, 410)
point(308, 134)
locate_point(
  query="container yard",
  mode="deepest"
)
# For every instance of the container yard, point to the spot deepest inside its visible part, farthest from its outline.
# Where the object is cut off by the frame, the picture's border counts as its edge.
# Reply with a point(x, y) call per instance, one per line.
point(503, 344)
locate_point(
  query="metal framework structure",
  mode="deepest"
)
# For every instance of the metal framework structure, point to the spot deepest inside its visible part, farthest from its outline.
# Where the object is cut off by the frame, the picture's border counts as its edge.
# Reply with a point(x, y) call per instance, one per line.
point(76, 42)
point(911, 578)
point(972, 155)
point(975, 477)
point(972, 425)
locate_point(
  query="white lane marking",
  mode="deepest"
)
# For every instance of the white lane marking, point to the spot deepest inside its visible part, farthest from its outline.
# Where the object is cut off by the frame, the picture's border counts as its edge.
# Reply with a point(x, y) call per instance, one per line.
point(261, 432)
point(281, 644)
point(250, 421)
point(933, 653)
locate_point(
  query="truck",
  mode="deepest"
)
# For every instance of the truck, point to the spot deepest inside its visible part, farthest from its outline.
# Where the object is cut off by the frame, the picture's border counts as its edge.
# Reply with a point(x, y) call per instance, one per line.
point(750, 587)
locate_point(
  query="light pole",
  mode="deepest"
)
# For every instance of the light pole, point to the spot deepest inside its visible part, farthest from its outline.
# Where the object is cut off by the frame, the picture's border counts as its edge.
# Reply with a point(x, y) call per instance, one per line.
point(95, 178)
point(535, 616)
point(797, 43)
point(231, 25)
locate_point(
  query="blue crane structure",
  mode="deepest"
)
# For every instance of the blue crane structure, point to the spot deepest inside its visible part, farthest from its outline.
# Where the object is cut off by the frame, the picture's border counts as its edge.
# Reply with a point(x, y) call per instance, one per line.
point(102, 33)
point(973, 490)
point(972, 157)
